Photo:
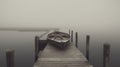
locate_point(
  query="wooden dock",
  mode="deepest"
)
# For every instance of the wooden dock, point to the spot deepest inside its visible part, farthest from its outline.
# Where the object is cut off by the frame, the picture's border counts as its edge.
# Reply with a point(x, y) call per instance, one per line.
point(53, 57)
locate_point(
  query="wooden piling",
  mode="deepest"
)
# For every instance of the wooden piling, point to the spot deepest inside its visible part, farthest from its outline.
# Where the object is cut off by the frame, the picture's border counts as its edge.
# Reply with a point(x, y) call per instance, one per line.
point(106, 55)
point(87, 46)
point(10, 58)
point(76, 41)
point(36, 47)
point(72, 36)
point(69, 31)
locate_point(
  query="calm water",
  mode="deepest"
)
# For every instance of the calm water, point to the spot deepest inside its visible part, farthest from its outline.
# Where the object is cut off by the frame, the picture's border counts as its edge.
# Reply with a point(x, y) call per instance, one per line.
point(23, 44)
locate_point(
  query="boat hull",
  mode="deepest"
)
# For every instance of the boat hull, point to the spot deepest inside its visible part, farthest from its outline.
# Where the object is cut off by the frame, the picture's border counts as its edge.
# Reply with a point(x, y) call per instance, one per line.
point(59, 45)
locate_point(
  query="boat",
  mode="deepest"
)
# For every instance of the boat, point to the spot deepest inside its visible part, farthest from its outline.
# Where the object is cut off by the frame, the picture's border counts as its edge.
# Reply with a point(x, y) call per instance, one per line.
point(59, 39)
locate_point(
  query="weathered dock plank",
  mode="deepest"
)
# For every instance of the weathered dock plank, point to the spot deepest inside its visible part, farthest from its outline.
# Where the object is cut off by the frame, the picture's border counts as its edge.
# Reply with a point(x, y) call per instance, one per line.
point(53, 57)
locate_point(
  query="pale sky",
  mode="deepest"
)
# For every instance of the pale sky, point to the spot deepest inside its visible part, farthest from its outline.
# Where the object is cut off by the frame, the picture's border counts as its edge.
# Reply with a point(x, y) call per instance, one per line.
point(60, 13)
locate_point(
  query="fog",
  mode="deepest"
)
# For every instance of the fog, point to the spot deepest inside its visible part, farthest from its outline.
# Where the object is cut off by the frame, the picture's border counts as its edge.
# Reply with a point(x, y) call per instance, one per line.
point(86, 14)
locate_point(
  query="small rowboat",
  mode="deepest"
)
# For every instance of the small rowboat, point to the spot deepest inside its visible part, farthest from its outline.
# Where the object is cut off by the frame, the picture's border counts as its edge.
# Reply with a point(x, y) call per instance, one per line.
point(59, 39)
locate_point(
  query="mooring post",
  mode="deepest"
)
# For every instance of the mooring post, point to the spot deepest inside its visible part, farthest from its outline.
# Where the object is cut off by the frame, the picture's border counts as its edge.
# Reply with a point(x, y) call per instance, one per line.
point(106, 55)
point(69, 31)
point(72, 36)
point(36, 47)
point(10, 58)
point(76, 36)
point(87, 46)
